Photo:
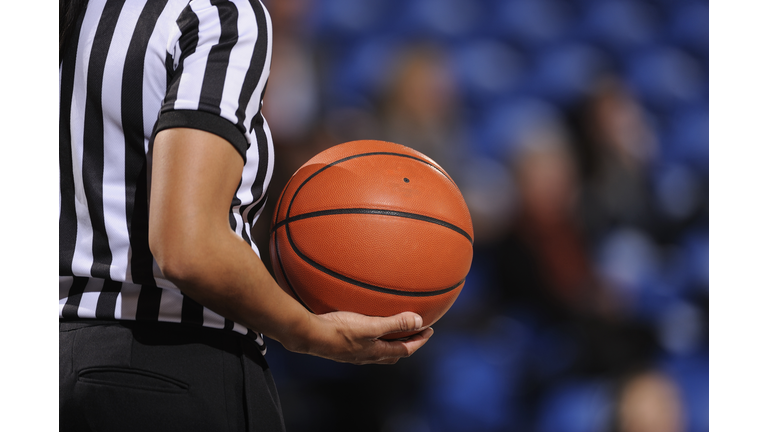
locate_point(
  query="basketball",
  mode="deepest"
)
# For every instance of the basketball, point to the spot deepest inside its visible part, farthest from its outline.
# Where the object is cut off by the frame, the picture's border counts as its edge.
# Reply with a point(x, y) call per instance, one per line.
point(375, 228)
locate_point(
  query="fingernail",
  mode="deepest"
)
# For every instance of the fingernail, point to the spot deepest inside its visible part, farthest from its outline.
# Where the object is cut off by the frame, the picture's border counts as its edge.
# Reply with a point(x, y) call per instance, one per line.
point(419, 321)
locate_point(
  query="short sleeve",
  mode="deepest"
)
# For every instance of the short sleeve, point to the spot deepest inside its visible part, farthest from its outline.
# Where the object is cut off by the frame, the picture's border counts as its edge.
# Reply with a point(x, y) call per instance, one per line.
point(218, 63)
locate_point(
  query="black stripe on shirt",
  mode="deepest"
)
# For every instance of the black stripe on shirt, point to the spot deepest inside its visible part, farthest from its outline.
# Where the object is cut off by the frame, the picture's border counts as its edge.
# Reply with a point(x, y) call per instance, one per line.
point(253, 76)
point(256, 70)
point(93, 139)
point(107, 302)
point(75, 294)
point(229, 324)
point(142, 262)
point(67, 216)
point(257, 127)
point(218, 58)
point(191, 312)
point(148, 304)
point(188, 24)
point(244, 231)
point(132, 109)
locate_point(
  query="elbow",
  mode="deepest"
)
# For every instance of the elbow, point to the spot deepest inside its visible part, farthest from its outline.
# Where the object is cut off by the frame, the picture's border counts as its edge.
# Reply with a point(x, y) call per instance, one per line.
point(175, 268)
point(175, 257)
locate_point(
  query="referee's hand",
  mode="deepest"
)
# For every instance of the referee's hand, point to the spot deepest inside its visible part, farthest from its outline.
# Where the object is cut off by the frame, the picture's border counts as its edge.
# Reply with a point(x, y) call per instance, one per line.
point(354, 338)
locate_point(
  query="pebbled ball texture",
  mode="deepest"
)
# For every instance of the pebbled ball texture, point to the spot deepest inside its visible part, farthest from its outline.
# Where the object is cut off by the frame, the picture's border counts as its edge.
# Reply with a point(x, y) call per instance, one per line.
point(372, 227)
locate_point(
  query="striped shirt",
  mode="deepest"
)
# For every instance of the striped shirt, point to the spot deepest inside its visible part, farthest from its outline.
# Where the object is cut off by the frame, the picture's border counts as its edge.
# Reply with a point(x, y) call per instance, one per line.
point(132, 69)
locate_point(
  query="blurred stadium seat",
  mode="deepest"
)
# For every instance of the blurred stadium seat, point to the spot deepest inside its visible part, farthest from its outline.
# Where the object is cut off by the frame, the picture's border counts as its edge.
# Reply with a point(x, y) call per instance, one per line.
point(531, 23)
point(488, 70)
point(620, 25)
point(472, 378)
point(504, 125)
point(689, 26)
point(580, 406)
point(685, 138)
point(449, 19)
point(567, 72)
point(691, 373)
point(665, 77)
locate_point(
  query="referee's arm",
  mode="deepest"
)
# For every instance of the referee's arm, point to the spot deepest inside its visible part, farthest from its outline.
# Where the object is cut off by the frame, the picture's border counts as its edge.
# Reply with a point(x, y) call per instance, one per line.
point(194, 176)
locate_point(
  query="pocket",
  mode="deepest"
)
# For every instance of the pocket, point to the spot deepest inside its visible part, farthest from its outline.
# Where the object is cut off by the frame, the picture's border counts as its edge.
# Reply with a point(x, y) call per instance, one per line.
point(131, 378)
point(123, 399)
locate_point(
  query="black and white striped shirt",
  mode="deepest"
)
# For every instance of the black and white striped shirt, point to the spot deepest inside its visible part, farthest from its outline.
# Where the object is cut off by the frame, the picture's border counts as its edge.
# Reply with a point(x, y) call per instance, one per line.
point(133, 68)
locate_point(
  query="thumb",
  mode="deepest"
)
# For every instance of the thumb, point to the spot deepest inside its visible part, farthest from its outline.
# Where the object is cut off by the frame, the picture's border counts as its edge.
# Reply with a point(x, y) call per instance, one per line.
point(402, 322)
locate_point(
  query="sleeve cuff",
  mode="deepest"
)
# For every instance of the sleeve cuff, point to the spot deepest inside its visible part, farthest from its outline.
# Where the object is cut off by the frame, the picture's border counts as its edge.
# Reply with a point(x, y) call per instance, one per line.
point(206, 122)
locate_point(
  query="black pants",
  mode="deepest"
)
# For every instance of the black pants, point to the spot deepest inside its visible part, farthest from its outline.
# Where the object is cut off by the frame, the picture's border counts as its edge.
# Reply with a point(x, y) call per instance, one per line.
point(129, 376)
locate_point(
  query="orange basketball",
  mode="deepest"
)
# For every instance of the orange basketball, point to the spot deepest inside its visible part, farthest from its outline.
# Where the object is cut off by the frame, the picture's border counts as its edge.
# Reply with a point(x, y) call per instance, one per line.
point(375, 228)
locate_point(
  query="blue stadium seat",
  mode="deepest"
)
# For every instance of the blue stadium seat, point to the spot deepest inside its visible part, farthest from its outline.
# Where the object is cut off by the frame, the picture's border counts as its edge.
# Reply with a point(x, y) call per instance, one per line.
point(531, 23)
point(500, 130)
point(685, 138)
point(361, 70)
point(620, 25)
point(473, 379)
point(488, 69)
point(696, 247)
point(678, 190)
point(691, 373)
point(666, 76)
point(578, 406)
point(629, 259)
point(350, 17)
point(688, 27)
point(439, 19)
point(567, 72)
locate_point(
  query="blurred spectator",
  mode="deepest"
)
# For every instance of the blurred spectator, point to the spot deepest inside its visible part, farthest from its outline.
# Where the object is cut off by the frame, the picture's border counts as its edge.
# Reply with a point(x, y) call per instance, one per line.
point(546, 256)
point(650, 402)
point(420, 105)
point(292, 103)
point(615, 146)
point(548, 191)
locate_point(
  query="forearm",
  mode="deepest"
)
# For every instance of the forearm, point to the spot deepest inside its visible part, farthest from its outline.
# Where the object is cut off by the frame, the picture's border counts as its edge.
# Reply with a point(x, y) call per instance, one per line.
point(223, 273)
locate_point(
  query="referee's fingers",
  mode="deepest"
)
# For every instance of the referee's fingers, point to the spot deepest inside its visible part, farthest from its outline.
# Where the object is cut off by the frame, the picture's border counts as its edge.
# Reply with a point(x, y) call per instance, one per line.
point(390, 351)
point(402, 322)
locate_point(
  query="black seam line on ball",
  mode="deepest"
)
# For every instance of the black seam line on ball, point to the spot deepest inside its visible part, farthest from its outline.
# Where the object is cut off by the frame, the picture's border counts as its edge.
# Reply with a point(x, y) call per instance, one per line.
point(366, 285)
point(334, 163)
point(440, 170)
point(285, 274)
point(370, 211)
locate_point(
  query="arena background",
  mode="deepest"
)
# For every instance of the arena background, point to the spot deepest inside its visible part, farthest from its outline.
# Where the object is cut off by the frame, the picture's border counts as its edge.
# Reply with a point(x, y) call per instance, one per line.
point(578, 134)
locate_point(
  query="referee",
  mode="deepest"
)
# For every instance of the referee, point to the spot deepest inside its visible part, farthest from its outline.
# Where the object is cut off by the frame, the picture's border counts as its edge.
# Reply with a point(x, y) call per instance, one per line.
point(164, 162)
